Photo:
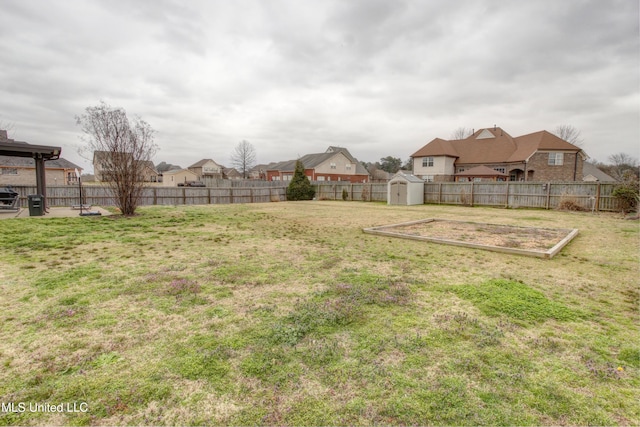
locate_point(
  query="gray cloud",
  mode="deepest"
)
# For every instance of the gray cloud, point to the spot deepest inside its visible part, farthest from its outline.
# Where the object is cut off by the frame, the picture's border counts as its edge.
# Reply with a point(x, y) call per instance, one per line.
point(379, 77)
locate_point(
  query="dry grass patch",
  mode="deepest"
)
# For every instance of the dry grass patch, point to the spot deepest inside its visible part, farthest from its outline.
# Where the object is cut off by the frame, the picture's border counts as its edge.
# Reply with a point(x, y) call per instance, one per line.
point(288, 314)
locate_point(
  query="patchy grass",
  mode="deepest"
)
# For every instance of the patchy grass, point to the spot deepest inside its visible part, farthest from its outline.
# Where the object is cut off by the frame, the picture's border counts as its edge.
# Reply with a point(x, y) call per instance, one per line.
point(288, 314)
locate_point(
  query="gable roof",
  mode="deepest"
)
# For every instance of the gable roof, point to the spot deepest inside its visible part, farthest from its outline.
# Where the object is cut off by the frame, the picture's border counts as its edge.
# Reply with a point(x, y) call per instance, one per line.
point(311, 161)
point(589, 169)
point(494, 145)
point(202, 162)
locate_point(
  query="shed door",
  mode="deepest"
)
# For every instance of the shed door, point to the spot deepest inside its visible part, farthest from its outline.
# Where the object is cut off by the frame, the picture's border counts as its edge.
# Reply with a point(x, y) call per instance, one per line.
point(398, 193)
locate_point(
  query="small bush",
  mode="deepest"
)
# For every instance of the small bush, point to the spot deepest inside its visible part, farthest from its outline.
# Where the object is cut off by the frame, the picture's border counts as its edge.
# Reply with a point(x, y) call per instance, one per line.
point(627, 193)
point(345, 194)
point(300, 187)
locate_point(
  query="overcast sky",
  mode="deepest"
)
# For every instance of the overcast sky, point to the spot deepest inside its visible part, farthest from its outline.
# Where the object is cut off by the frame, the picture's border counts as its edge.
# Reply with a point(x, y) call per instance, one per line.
point(294, 77)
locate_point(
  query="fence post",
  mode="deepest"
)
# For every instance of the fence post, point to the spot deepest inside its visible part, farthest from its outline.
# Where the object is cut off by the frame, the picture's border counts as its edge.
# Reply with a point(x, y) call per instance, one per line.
point(597, 202)
point(251, 194)
point(230, 195)
point(548, 195)
point(184, 195)
point(471, 193)
point(506, 201)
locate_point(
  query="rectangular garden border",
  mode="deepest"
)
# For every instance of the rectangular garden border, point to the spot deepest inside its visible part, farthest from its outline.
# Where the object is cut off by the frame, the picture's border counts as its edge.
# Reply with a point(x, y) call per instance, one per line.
point(386, 230)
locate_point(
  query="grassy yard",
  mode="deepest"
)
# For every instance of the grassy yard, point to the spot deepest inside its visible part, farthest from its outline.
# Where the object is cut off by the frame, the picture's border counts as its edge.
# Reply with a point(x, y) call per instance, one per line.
point(288, 314)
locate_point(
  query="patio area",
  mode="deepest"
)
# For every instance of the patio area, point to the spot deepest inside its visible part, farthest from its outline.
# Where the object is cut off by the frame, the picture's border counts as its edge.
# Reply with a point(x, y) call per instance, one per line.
point(57, 212)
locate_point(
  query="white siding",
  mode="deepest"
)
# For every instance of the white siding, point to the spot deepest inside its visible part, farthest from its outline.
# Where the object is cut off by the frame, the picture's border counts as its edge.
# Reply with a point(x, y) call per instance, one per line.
point(442, 165)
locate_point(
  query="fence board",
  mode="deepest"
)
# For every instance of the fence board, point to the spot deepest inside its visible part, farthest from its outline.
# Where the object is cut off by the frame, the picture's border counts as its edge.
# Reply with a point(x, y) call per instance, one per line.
point(163, 196)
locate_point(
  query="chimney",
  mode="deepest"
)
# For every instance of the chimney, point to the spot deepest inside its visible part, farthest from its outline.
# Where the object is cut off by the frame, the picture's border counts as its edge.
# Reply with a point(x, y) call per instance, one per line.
point(494, 127)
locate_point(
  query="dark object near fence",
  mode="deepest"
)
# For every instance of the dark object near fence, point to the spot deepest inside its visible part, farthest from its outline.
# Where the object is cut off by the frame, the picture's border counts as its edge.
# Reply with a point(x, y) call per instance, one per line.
point(8, 199)
point(192, 184)
point(36, 205)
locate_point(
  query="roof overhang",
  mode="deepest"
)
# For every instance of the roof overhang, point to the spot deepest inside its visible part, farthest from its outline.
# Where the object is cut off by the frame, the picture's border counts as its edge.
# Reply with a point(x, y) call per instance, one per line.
point(22, 149)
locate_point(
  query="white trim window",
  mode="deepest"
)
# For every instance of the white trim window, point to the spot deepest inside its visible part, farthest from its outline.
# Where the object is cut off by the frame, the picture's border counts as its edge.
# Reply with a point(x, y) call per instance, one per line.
point(556, 159)
point(9, 171)
point(428, 178)
point(427, 162)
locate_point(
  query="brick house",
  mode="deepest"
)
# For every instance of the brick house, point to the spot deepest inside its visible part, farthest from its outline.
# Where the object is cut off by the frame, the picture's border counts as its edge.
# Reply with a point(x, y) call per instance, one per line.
point(335, 164)
point(538, 156)
point(103, 162)
point(22, 171)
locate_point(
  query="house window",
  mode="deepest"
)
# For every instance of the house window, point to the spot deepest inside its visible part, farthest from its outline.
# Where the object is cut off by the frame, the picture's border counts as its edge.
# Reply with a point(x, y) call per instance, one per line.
point(556, 159)
point(501, 170)
point(348, 167)
point(9, 171)
point(427, 162)
point(333, 165)
point(320, 178)
point(461, 170)
point(428, 178)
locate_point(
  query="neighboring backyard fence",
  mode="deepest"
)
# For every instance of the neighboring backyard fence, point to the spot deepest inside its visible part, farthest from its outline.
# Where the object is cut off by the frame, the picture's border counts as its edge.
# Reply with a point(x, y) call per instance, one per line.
point(99, 195)
point(546, 195)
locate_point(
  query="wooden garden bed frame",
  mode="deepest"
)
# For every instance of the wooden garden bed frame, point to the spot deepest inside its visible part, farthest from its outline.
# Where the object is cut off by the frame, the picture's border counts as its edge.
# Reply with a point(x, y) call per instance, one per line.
point(391, 230)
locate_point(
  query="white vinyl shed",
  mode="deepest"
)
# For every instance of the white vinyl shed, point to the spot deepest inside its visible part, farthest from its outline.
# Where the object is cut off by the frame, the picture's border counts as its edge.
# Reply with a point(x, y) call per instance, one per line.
point(405, 190)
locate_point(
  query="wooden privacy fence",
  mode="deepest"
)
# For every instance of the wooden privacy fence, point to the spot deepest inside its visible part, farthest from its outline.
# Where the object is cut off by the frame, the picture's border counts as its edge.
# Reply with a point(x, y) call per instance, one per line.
point(546, 195)
point(101, 196)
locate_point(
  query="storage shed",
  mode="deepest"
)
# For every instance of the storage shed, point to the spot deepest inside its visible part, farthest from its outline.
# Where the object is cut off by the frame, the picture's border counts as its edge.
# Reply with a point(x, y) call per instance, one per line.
point(405, 189)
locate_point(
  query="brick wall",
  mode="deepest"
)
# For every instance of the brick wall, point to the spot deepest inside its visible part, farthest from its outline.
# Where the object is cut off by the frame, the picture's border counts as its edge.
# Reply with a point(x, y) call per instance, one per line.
point(570, 170)
point(28, 177)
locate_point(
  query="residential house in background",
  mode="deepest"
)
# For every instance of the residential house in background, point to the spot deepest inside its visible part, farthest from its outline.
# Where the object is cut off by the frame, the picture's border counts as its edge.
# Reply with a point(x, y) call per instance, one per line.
point(538, 156)
point(335, 164)
point(22, 171)
point(231, 173)
point(175, 177)
point(591, 173)
point(259, 172)
point(207, 168)
point(103, 161)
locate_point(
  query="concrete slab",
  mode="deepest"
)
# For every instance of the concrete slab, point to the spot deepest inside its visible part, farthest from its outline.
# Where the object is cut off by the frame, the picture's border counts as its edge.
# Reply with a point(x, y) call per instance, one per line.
point(57, 212)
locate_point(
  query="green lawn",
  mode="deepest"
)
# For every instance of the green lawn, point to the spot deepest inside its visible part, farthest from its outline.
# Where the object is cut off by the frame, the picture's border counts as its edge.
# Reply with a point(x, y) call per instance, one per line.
point(288, 314)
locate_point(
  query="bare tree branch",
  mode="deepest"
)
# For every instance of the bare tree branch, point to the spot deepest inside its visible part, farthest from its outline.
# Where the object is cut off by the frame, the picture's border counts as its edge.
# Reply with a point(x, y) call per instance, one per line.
point(461, 133)
point(570, 134)
point(243, 158)
point(123, 149)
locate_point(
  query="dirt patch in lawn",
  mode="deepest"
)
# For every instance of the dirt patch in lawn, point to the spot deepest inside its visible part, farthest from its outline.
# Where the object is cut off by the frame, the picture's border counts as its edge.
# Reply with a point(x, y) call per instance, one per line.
point(544, 242)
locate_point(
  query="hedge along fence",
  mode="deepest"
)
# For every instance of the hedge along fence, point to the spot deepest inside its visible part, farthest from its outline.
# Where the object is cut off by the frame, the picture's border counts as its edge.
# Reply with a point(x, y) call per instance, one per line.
point(546, 195)
point(101, 196)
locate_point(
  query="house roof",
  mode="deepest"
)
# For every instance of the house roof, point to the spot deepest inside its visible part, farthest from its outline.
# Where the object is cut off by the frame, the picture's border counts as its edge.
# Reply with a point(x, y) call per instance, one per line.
point(494, 145)
point(310, 161)
point(589, 169)
point(26, 162)
point(481, 171)
point(202, 162)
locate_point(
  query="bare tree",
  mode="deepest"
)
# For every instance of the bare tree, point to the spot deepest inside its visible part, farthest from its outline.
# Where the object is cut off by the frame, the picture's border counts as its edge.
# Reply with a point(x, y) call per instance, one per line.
point(570, 134)
point(622, 166)
point(461, 133)
point(243, 158)
point(123, 148)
